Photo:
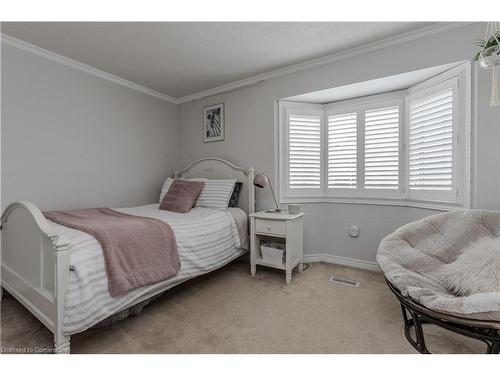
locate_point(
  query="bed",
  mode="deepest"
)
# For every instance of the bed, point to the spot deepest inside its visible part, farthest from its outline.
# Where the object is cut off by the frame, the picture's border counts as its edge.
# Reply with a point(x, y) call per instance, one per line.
point(58, 273)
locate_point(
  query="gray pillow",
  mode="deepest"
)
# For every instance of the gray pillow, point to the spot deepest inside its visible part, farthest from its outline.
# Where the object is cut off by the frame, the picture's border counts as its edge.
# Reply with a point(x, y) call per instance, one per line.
point(476, 270)
point(235, 196)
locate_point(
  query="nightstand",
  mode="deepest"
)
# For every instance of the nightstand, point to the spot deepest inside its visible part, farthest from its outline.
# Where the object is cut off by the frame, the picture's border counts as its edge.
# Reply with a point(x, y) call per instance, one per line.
point(281, 227)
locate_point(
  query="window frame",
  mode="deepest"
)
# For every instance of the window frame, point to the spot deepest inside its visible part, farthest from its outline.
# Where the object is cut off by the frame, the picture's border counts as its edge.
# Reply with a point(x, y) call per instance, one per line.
point(339, 191)
point(460, 78)
point(360, 106)
point(450, 196)
point(462, 184)
point(298, 109)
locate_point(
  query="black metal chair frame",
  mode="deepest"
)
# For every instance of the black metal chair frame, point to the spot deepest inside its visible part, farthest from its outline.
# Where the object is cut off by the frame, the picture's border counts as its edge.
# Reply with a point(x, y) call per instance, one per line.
point(414, 315)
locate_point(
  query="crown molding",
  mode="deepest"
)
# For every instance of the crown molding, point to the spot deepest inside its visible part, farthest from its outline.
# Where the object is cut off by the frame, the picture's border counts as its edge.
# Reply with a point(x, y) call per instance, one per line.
point(250, 81)
point(320, 61)
point(27, 47)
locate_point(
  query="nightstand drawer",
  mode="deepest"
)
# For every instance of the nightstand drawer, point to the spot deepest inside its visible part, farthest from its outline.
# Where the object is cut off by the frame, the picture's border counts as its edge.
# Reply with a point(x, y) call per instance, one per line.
point(277, 227)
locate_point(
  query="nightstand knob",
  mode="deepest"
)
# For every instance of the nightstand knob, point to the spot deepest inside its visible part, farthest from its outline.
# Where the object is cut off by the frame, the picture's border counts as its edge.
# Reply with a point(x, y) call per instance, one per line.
point(268, 228)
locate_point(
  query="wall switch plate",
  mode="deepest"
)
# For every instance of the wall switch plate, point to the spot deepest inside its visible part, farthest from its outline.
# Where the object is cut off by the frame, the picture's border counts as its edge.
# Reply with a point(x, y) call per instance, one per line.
point(354, 231)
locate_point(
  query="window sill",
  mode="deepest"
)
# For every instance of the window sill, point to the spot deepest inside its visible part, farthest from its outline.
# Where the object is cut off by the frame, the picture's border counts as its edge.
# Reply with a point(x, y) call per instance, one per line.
point(440, 206)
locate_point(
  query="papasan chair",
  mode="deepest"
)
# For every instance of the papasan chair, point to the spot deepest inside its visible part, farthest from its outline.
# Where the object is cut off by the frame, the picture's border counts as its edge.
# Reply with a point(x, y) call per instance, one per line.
point(445, 270)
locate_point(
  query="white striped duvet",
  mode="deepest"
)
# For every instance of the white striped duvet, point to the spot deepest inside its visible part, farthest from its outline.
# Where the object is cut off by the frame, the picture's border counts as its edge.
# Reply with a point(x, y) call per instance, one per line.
point(206, 239)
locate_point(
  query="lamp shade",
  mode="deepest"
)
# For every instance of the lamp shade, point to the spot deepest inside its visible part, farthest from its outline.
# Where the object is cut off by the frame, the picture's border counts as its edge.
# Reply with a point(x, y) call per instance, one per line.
point(260, 180)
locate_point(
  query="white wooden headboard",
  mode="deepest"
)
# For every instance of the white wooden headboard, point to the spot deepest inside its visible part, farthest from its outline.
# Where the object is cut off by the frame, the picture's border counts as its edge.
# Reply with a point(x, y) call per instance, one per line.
point(217, 168)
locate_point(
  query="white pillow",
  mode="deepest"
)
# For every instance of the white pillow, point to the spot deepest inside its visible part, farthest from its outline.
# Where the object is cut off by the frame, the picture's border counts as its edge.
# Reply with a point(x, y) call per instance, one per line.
point(476, 270)
point(215, 194)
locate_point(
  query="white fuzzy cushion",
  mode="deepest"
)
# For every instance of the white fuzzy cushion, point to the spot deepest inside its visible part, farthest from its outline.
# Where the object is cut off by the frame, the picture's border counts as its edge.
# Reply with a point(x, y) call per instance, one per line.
point(476, 270)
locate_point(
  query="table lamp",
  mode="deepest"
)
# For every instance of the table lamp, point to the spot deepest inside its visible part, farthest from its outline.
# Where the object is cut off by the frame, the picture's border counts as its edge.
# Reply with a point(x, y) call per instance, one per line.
point(261, 181)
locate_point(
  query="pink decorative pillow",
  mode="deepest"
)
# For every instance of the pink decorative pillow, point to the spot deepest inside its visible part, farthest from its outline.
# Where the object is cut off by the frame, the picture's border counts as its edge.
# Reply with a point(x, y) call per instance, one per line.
point(181, 195)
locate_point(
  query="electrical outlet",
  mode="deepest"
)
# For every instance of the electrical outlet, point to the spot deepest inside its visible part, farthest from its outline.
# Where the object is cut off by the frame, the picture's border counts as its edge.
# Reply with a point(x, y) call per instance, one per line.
point(354, 231)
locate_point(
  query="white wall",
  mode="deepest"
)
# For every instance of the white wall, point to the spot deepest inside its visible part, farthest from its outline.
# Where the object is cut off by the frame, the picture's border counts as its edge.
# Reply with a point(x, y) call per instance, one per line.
point(71, 139)
point(250, 136)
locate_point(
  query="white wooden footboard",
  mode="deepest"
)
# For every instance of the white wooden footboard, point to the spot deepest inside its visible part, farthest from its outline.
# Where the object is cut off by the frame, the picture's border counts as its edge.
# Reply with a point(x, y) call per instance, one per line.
point(35, 267)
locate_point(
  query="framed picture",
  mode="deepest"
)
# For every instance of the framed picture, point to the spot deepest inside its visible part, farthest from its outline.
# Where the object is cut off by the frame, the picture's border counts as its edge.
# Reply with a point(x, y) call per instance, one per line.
point(213, 123)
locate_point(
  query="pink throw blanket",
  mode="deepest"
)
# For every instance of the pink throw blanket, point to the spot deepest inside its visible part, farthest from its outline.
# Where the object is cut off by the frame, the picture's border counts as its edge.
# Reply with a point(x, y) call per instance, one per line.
point(137, 250)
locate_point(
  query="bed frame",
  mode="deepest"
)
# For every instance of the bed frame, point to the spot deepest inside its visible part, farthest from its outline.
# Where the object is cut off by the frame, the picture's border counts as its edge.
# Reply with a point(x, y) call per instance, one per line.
point(35, 263)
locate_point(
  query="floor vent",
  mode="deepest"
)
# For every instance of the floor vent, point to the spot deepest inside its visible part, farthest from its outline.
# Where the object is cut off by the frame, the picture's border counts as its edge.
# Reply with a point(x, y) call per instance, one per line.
point(341, 281)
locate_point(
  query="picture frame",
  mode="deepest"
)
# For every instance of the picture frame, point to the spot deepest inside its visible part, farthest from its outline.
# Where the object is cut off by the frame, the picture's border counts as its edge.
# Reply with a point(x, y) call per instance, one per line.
point(213, 123)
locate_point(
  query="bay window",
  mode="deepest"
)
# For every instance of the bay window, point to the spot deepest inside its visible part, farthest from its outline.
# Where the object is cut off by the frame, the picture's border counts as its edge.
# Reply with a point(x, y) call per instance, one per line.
point(398, 148)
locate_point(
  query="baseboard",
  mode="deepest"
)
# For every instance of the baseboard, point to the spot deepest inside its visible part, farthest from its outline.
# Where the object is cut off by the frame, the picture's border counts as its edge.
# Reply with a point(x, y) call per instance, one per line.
point(335, 259)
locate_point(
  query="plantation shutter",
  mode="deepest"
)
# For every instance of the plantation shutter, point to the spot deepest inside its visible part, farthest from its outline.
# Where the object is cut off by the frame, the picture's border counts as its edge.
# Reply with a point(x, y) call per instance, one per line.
point(342, 151)
point(304, 162)
point(382, 148)
point(431, 142)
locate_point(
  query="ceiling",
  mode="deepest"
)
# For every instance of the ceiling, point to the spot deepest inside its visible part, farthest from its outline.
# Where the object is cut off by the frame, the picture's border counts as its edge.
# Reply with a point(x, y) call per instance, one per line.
point(375, 86)
point(180, 59)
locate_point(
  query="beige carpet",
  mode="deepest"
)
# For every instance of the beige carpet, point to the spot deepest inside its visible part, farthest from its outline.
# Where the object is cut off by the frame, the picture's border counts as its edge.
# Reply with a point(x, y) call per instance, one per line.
point(228, 311)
